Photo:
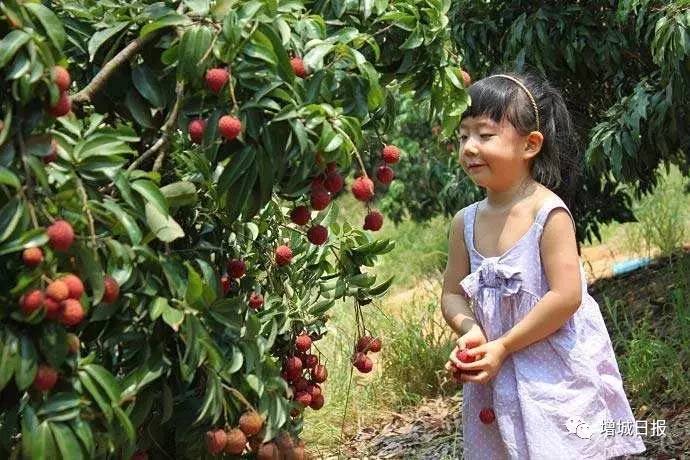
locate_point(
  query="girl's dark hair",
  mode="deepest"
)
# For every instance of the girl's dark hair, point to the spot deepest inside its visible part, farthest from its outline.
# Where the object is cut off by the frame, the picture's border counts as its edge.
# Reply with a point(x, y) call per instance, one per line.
point(559, 163)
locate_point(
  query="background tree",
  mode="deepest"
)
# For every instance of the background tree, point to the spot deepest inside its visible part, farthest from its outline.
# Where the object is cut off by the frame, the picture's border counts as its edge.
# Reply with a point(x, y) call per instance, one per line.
point(624, 70)
point(167, 246)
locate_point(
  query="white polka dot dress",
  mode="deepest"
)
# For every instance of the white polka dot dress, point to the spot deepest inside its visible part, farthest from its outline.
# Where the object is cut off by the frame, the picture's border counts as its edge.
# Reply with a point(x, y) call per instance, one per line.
point(550, 399)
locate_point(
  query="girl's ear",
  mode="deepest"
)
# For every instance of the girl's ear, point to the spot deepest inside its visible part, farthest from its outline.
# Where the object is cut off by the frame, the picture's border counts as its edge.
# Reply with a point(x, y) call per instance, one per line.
point(535, 139)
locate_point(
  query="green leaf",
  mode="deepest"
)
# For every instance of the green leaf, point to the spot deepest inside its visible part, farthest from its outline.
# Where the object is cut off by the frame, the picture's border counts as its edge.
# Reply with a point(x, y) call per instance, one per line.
point(166, 21)
point(193, 46)
point(99, 38)
point(194, 286)
point(10, 44)
point(93, 270)
point(178, 194)
point(162, 225)
point(173, 317)
point(10, 215)
point(50, 22)
point(43, 442)
point(29, 431)
point(9, 354)
point(27, 364)
point(199, 7)
point(151, 194)
point(106, 381)
point(147, 84)
point(157, 307)
point(53, 343)
point(97, 394)
point(138, 108)
point(66, 441)
point(7, 177)
point(127, 221)
point(85, 435)
point(59, 402)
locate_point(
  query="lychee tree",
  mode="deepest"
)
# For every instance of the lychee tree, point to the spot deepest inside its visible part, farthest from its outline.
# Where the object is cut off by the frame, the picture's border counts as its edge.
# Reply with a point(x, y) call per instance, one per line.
point(169, 252)
point(624, 69)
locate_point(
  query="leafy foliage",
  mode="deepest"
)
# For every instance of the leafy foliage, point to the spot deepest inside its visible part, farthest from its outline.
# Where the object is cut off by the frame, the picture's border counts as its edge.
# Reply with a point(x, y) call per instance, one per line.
point(179, 351)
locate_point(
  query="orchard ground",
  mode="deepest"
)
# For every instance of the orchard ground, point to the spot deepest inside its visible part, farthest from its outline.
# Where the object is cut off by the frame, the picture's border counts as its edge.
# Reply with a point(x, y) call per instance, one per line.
point(407, 407)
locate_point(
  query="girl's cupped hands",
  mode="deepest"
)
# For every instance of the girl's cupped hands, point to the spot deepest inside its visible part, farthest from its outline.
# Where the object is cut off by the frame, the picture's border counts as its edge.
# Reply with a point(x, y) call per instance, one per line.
point(488, 360)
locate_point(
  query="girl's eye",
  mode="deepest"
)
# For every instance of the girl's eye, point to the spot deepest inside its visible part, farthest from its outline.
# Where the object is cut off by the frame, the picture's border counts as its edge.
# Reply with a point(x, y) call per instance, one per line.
point(462, 137)
point(485, 136)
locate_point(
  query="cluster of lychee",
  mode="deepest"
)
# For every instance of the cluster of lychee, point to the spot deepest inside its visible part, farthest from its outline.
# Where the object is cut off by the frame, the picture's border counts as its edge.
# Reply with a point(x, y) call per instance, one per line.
point(234, 441)
point(360, 360)
point(229, 126)
point(237, 268)
point(363, 186)
point(304, 373)
point(47, 376)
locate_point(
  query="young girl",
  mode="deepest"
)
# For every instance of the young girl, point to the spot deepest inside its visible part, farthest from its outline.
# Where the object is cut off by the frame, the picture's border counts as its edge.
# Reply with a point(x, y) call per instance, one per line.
point(544, 383)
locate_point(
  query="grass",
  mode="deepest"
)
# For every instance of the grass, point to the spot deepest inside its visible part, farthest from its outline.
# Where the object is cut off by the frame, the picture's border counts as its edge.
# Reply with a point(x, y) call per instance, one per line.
point(416, 341)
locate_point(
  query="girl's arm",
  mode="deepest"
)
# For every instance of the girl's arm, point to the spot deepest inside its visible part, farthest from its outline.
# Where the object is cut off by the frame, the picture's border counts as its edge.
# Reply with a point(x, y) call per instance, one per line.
point(454, 306)
point(562, 267)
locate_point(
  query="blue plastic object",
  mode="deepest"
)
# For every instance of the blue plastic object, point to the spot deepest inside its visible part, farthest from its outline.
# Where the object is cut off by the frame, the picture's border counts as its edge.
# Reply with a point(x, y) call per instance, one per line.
point(627, 266)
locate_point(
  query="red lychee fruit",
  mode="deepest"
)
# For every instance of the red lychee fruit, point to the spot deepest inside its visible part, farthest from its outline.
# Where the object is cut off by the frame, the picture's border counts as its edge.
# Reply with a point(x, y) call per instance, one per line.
point(466, 78)
point(72, 312)
point(364, 344)
point(319, 374)
point(216, 79)
point(300, 384)
point(256, 301)
point(53, 308)
point(487, 415)
point(196, 130)
point(284, 441)
point(375, 345)
point(237, 268)
point(32, 257)
point(373, 221)
point(251, 423)
point(333, 182)
point(111, 290)
point(267, 451)
point(46, 377)
point(303, 342)
point(464, 357)
point(331, 167)
point(310, 361)
point(298, 67)
point(230, 127)
point(292, 375)
point(317, 235)
point(317, 183)
point(60, 235)
point(140, 455)
point(363, 188)
point(31, 301)
point(215, 441)
point(359, 359)
point(313, 389)
point(385, 174)
point(317, 401)
point(73, 343)
point(52, 153)
point(390, 154)
point(61, 77)
point(293, 363)
point(74, 285)
point(283, 255)
point(57, 290)
point(320, 198)
point(303, 398)
point(225, 284)
point(62, 107)
point(300, 215)
point(366, 365)
point(235, 442)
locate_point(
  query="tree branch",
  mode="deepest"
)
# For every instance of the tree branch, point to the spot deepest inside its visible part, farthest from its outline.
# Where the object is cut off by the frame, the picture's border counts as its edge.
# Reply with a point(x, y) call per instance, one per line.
point(109, 68)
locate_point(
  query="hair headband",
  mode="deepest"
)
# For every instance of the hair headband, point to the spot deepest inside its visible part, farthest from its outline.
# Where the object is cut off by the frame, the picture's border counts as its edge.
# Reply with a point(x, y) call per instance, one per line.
point(531, 98)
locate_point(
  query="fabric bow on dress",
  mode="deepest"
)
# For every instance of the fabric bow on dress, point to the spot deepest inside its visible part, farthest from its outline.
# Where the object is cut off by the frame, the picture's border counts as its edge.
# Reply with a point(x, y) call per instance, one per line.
point(492, 274)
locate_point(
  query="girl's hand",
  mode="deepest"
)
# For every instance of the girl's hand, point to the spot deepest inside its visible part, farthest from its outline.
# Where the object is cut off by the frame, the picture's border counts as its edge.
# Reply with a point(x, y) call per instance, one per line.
point(491, 356)
point(472, 338)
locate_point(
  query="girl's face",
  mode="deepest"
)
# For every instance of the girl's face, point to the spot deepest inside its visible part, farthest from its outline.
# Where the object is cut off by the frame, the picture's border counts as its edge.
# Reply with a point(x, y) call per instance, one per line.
point(494, 155)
